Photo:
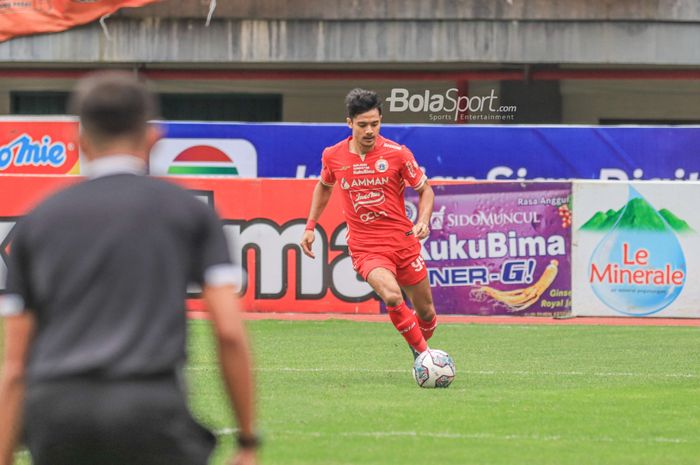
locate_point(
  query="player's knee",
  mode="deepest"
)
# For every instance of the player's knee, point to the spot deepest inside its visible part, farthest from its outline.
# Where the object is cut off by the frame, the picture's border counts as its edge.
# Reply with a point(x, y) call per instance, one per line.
point(424, 306)
point(426, 312)
point(393, 298)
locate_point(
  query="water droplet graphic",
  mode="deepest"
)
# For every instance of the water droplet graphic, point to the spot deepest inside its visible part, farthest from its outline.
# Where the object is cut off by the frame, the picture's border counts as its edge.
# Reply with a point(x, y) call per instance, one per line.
point(638, 268)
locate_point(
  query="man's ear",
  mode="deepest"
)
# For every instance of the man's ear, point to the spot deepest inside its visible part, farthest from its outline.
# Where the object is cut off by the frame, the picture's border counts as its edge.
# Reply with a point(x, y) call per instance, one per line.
point(86, 146)
point(153, 134)
point(349, 122)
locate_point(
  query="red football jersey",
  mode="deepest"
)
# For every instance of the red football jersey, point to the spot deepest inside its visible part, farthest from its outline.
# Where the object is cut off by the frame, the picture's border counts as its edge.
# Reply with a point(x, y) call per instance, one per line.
point(372, 189)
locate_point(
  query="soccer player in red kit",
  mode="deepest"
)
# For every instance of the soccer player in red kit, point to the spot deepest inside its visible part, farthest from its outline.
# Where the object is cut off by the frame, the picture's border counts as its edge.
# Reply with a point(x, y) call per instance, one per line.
point(372, 173)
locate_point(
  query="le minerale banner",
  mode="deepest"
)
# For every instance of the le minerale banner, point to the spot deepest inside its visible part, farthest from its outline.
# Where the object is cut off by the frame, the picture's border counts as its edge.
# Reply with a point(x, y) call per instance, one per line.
point(500, 248)
point(637, 249)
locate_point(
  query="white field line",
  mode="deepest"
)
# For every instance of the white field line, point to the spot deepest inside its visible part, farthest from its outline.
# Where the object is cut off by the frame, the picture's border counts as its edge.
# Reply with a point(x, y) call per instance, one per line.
point(469, 372)
point(469, 436)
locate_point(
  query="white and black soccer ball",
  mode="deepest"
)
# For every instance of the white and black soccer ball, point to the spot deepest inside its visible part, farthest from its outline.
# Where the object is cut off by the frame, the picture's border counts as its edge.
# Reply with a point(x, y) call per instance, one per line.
point(434, 369)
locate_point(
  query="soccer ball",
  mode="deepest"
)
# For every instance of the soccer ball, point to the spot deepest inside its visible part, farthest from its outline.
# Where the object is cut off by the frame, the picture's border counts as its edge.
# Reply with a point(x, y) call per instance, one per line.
point(434, 369)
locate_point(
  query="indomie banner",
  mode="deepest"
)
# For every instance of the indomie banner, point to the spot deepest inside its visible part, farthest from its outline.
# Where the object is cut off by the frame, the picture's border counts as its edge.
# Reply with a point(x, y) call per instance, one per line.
point(39, 147)
point(23, 17)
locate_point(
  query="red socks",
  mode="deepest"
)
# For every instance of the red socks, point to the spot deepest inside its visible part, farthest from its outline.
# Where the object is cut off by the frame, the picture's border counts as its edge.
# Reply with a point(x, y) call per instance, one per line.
point(427, 327)
point(406, 322)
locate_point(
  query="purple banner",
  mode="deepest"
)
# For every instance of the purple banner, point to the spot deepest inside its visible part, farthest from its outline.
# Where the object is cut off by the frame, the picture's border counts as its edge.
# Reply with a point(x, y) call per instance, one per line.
point(499, 248)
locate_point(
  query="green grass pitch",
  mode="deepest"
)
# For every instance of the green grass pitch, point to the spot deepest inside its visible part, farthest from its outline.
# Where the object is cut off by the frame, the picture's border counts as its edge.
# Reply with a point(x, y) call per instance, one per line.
point(340, 392)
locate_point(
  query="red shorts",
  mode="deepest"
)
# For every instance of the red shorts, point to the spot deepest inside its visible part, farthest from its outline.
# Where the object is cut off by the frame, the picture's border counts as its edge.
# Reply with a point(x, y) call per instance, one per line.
point(406, 264)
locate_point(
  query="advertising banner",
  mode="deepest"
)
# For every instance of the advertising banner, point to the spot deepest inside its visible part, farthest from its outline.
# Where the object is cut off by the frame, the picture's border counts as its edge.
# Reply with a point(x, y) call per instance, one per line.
point(36, 16)
point(449, 152)
point(637, 249)
point(499, 248)
point(264, 221)
point(467, 152)
point(39, 147)
point(204, 157)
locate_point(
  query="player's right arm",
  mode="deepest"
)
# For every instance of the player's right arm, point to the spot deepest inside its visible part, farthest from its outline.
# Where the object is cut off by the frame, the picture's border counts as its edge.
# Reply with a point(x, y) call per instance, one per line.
point(319, 200)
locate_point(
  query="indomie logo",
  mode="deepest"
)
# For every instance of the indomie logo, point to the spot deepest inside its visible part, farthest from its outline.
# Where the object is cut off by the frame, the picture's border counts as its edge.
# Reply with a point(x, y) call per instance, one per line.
point(367, 198)
point(24, 151)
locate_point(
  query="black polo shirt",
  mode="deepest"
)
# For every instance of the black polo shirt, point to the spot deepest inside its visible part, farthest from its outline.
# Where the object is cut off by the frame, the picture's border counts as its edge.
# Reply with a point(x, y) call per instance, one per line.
point(104, 265)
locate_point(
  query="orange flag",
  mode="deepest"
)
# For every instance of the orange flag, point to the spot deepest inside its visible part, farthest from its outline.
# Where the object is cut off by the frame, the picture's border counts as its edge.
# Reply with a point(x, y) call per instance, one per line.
point(22, 17)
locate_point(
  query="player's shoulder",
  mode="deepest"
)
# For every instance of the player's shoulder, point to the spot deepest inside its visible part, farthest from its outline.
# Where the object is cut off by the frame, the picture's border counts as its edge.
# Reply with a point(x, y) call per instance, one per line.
point(335, 151)
point(392, 148)
point(340, 147)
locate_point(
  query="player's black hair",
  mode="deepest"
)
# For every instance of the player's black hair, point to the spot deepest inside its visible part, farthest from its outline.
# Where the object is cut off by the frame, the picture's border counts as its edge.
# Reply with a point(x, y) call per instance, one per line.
point(360, 101)
point(113, 104)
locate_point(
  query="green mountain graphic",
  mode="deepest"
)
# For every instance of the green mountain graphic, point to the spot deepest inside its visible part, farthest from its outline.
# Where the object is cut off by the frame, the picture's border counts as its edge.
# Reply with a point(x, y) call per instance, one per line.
point(639, 215)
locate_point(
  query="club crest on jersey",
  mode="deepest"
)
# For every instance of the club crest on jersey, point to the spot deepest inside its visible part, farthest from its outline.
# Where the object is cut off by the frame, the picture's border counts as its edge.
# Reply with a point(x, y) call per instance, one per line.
point(381, 165)
point(367, 198)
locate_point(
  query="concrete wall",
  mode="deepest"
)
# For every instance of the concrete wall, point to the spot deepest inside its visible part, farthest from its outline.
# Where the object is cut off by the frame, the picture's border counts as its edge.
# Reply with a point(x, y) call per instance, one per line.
point(582, 101)
point(232, 42)
point(559, 10)
point(587, 102)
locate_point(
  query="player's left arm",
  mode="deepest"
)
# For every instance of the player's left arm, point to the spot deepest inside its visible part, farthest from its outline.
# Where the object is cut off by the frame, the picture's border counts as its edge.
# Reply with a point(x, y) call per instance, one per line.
point(426, 199)
point(414, 176)
point(18, 332)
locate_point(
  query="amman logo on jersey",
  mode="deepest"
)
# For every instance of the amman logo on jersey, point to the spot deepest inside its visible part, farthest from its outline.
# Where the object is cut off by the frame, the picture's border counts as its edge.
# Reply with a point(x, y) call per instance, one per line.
point(369, 182)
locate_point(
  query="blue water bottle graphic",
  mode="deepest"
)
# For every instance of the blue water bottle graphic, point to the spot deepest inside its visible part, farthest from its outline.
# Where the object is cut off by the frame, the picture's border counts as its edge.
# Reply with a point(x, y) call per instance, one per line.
point(638, 268)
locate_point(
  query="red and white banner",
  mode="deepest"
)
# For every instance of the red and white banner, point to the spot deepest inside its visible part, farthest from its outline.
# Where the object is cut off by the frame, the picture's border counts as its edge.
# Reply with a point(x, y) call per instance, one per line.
point(264, 220)
point(23, 17)
point(39, 147)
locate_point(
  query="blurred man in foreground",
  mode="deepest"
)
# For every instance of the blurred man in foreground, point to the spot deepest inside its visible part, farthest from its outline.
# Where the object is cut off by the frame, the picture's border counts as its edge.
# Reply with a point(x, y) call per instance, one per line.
point(95, 327)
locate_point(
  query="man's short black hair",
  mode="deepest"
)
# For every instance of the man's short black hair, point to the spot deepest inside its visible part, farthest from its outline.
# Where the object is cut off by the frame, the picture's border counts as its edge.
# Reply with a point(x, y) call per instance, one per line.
point(113, 104)
point(360, 101)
